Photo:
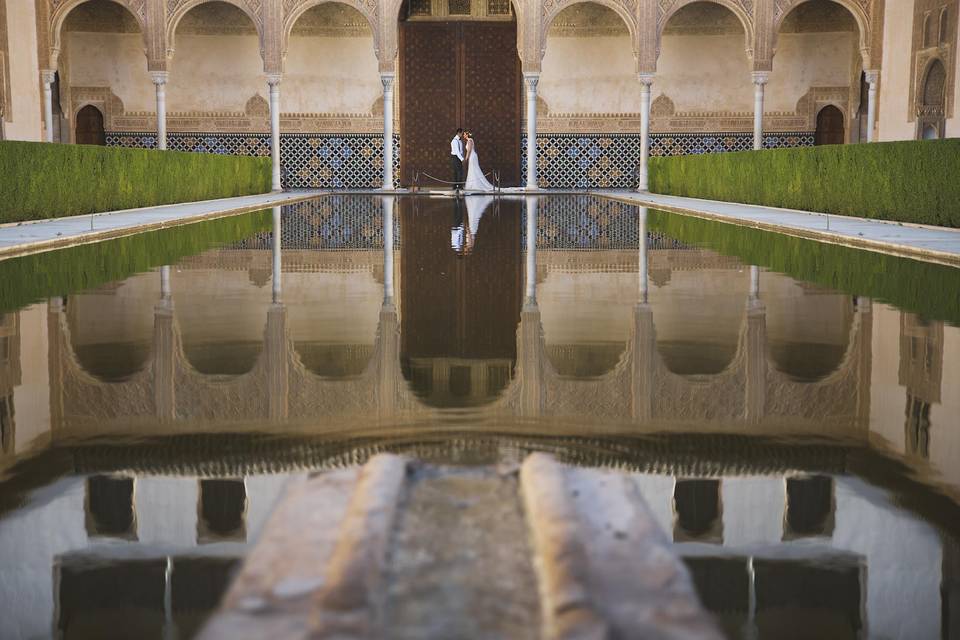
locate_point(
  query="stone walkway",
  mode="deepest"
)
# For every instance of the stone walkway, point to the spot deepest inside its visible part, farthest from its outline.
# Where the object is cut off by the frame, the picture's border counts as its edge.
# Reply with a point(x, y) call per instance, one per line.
point(43, 235)
point(929, 243)
point(403, 549)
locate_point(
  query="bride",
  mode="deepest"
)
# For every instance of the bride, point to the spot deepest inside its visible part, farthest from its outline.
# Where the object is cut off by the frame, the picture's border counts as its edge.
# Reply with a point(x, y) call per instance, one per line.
point(475, 178)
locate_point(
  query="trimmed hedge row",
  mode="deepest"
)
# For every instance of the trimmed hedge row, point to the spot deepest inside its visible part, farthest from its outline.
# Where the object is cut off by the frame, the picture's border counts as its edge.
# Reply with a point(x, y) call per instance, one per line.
point(26, 280)
point(913, 181)
point(41, 180)
point(911, 285)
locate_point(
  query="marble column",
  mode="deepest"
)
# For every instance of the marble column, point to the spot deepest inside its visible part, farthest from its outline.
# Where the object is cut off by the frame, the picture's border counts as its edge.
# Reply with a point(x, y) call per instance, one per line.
point(872, 78)
point(275, 254)
point(530, 296)
point(48, 78)
point(530, 80)
point(165, 290)
point(274, 81)
point(646, 79)
point(754, 282)
point(644, 260)
point(388, 251)
point(387, 79)
point(759, 82)
point(160, 81)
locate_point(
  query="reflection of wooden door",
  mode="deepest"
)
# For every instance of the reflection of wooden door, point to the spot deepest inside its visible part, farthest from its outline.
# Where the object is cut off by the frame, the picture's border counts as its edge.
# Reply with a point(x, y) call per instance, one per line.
point(90, 126)
point(830, 128)
point(459, 74)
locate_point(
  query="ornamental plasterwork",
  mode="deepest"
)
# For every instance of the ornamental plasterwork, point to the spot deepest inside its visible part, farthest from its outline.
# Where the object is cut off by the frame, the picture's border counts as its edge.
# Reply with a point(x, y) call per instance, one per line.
point(930, 45)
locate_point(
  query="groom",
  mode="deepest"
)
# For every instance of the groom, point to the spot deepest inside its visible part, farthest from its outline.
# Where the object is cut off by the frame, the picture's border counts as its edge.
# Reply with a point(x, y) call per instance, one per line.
point(456, 159)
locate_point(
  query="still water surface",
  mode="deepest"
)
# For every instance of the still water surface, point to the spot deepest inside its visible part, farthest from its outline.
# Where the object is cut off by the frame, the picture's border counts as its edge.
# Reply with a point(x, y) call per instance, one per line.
point(789, 410)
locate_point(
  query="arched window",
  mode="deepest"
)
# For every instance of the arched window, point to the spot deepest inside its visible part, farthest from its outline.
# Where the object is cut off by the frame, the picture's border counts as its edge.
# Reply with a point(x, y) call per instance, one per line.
point(929, 31)
point(830, 126)
point(90, 126)
point(943, 26)
point(930, 111)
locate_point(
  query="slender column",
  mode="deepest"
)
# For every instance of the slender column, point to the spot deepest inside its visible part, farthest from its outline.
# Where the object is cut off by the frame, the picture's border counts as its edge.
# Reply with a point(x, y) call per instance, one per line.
point(643, 255)
point(872, 78)
point(531, 80)
point(387, 80)
point(388, 251)
point(165, 290)
point(48, 78)
point(275, 254)
point(274, 81)
point(160, 81)
point(531, 264)
point(759, 82)
point(646, 79)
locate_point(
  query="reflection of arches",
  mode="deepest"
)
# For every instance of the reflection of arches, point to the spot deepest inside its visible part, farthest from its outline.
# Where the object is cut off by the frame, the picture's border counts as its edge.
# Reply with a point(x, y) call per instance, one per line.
point(931, 111)
point(830, 127)
point(111, 328)
point(808, 335)
point(89, 128)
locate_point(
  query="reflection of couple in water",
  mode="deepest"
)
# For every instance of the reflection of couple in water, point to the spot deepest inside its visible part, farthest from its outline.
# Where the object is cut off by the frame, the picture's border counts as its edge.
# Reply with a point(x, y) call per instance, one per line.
point(463, 153)
point(464, 236)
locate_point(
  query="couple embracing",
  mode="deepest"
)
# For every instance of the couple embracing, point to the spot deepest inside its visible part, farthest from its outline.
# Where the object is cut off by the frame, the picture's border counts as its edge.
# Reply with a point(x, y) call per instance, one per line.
point(463, 153)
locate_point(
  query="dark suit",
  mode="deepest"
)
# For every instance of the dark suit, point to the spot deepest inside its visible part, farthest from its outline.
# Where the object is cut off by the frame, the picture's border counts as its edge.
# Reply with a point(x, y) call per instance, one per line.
point(457, 165)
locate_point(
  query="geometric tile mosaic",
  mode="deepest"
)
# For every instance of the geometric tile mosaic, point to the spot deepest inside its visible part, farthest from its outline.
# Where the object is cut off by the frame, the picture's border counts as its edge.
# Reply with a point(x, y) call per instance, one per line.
point(606, 161)
point(323, 161)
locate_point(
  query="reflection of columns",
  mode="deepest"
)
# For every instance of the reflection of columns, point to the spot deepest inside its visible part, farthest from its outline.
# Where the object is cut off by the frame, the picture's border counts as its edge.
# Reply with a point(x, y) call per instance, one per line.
point(646, 79)
point(278, 389)
point(56, 321)
point(48, 78)
point(531, 80)
point(387, 205)
point(644, 353)
point(644, 260)
point(531, 265)
point(275, 254)
point(387, 80)
point(756, 341)
point(160, 80)
point(864, 324)
point(872, 77)
point(164, 391)
point(274, 81)
point(759, 81)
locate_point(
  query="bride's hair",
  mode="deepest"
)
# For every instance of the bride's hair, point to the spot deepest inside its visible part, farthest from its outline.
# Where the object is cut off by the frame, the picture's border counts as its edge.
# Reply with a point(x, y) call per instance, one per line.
point(469, 134)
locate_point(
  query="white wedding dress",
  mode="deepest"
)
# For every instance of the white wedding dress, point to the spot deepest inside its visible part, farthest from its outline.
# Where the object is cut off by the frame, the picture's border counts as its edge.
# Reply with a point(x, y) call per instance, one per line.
point(475, 178)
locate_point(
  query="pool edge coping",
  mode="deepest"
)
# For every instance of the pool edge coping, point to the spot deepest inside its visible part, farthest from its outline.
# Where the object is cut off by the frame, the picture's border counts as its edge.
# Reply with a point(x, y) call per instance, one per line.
point(900, 250)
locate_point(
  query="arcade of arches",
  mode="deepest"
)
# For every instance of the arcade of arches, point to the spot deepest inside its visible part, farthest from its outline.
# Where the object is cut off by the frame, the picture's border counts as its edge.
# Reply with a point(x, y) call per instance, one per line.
point(334, 88)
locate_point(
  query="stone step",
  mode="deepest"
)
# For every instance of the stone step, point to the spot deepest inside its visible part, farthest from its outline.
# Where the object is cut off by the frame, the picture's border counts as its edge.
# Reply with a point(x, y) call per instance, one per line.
point(405, 549)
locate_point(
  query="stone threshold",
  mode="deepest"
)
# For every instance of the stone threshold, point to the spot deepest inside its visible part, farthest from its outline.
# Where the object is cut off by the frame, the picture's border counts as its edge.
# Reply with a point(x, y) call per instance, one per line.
point(939, 245)
point(36, 236)
point(385, 550)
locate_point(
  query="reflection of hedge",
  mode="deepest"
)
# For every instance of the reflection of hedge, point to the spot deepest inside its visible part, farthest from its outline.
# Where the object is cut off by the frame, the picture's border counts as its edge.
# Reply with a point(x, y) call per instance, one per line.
point(42, 275)
point(39, 180)
point(911, 285)
point(915, 181)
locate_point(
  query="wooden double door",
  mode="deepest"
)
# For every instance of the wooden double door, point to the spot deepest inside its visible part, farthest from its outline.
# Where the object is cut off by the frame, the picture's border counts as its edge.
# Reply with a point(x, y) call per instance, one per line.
point(459, 74)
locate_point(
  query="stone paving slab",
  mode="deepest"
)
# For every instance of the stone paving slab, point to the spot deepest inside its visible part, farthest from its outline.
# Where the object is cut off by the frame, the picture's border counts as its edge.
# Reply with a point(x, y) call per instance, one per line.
point(923, 242)
point(43, 235)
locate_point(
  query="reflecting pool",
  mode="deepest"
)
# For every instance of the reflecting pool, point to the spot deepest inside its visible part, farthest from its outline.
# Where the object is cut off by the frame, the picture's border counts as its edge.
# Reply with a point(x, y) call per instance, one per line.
point(788, 409)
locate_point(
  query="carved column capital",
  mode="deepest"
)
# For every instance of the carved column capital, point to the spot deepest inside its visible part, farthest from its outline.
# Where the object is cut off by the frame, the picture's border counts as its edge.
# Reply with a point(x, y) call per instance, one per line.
point(48, 76)
point(159, 77)
point(646, 79)
point(531, 80)
point(872, 76)
point(273, 79)
point(388, 79)
point(760, 77)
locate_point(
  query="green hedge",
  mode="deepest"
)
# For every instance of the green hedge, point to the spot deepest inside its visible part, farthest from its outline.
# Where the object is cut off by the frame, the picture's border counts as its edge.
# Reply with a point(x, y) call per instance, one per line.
point(915, 181)
point(54, 273)
point(911, 285)
point(39, 180)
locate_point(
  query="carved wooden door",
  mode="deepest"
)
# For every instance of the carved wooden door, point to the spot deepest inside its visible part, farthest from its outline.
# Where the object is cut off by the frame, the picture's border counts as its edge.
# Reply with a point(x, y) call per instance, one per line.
point(459, 74)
